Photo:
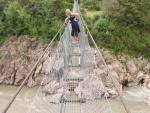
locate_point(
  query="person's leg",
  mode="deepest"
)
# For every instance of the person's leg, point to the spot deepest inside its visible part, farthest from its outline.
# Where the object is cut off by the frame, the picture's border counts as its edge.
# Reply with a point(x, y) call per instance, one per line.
point(73, 36)
point(77, 37)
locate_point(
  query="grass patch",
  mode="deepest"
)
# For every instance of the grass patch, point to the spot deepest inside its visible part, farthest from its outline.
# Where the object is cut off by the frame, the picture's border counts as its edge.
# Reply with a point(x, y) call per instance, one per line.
point(93, 14)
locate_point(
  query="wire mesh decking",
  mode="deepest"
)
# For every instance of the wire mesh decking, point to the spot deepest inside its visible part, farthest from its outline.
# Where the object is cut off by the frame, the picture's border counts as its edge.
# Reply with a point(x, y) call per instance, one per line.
point(68, 71)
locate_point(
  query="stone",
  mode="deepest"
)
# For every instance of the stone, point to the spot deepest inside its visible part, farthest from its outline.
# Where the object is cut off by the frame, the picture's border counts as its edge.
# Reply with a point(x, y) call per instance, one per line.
point(51, 88)
point(90, 88)
point(55, 98)
point(140, 76)
point(31, 83)
point(111, 92)
point(118, 67)
point(141, 63)
point(112, 75)
point(115, 83)
point(102, 74)
point(131, 67)
point(148, 100)
point(38, 70)
point(146, 81)
point(21, 74)
point(147, 68)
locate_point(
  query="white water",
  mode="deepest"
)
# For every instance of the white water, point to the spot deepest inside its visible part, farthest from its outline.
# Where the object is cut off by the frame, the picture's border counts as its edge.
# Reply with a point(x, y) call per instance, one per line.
point(134, 99)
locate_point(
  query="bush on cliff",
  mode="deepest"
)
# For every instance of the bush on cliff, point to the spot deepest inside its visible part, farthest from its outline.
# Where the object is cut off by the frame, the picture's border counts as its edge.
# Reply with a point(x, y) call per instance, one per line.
point(35, 18)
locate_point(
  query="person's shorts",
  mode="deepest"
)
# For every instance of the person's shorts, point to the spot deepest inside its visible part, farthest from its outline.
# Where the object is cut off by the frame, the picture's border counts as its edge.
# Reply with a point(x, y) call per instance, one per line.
point(76, 34)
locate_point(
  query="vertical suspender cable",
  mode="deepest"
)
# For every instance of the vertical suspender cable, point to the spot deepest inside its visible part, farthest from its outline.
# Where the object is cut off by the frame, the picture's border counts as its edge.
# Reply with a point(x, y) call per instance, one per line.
point(31, 71)
point(100, 54)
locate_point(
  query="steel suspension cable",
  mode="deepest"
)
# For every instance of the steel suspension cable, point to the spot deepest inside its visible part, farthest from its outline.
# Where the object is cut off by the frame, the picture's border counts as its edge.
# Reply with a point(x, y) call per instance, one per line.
point(31, 71)
point(108, 70)
point(102, 84)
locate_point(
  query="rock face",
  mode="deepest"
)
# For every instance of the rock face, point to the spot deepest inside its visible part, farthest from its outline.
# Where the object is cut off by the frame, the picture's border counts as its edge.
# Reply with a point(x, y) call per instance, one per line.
point(124, 70)
point(131, 67)
point(17, 56)
point(51, 88)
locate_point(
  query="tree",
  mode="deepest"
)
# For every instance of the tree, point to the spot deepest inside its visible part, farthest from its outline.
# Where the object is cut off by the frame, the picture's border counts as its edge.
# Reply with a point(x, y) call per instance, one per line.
point(135, 13)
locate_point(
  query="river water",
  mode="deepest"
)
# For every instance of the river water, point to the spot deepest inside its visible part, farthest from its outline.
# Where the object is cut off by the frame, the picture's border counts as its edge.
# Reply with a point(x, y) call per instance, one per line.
point(23, 101)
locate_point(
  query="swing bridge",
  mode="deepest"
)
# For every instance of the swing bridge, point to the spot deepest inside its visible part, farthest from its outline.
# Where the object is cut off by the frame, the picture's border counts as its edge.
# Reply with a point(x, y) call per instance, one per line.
point(69, 71)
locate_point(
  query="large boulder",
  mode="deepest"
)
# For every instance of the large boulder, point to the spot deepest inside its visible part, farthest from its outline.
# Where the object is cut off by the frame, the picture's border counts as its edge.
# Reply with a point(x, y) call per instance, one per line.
point(140, 75)
point(146, 81)
point(131, 67)
point(101, 74)
point(31, 82)
point(141, 63)
point(51, 88)
point(118, 67)
point(147, 68)
point(22, 71)
point(113, 81)
point(90, 88)
point(111, 93)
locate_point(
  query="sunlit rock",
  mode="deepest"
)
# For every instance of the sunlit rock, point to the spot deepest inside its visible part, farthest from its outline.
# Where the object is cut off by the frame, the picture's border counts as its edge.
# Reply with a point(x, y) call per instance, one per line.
point(147, 68)
point(90, 88)
point(132, 69)
point(51, 88)
point(55, 98)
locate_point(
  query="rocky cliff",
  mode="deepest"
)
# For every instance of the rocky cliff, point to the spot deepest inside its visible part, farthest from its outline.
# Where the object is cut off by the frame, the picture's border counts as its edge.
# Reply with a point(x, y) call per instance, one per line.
point(17, 56)
point(129, 71)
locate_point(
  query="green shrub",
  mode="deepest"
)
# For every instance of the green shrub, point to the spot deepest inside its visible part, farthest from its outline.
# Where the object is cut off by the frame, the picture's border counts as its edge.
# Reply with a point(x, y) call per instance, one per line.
point(92, 4)
point(36, 18)
point(15, 19)
point(1, 26)
point(102, 25)
point(125, 29)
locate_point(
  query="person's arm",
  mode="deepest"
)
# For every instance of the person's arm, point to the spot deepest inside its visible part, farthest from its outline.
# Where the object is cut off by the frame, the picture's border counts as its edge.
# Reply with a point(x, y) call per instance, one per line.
point(66, 20)
point(74, 14)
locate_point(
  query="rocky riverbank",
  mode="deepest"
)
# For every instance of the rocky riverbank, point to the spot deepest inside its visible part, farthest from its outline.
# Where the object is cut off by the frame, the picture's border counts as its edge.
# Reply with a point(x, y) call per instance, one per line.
point(18, 55)
point(125, 71)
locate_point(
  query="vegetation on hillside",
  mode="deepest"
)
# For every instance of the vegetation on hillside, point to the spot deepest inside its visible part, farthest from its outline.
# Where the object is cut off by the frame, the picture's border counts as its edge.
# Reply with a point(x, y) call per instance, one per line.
point(35, 18)
point(124, 25)
point(120, 25)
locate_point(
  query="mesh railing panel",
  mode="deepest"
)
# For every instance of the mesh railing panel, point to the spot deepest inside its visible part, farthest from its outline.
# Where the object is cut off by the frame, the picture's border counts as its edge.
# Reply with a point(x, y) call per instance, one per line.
point(70, 85)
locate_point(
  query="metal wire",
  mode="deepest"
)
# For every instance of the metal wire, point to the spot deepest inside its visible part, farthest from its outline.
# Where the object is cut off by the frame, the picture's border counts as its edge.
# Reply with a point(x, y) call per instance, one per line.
point(30, 73)
point(82, 64)
point(100, 54)
point(60, 83)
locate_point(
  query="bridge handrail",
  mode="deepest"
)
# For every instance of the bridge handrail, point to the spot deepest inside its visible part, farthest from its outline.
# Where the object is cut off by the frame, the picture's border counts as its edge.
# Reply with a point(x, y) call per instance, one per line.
point(105, 64)
point(31, 71)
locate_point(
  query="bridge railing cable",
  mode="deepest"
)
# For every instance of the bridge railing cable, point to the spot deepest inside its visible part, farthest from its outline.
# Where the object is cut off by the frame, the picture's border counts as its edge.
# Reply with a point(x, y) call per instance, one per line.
point(105, 64)
point(87, 59)
point(31, 71)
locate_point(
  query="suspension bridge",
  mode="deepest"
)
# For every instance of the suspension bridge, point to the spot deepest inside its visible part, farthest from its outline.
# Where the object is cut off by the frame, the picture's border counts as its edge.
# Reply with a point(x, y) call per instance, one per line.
point(65, 87)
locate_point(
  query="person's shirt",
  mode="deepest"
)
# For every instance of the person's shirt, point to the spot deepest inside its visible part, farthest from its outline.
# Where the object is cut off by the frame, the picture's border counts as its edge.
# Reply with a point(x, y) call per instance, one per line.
point(74, 17)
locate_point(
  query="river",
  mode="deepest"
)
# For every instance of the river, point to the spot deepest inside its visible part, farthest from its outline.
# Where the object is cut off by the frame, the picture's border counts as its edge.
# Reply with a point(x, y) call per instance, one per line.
point(21, 104)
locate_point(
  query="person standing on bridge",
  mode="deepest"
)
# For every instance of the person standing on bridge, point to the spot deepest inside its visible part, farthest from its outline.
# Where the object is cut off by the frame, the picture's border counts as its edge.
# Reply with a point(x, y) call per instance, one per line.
point(73, 18)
